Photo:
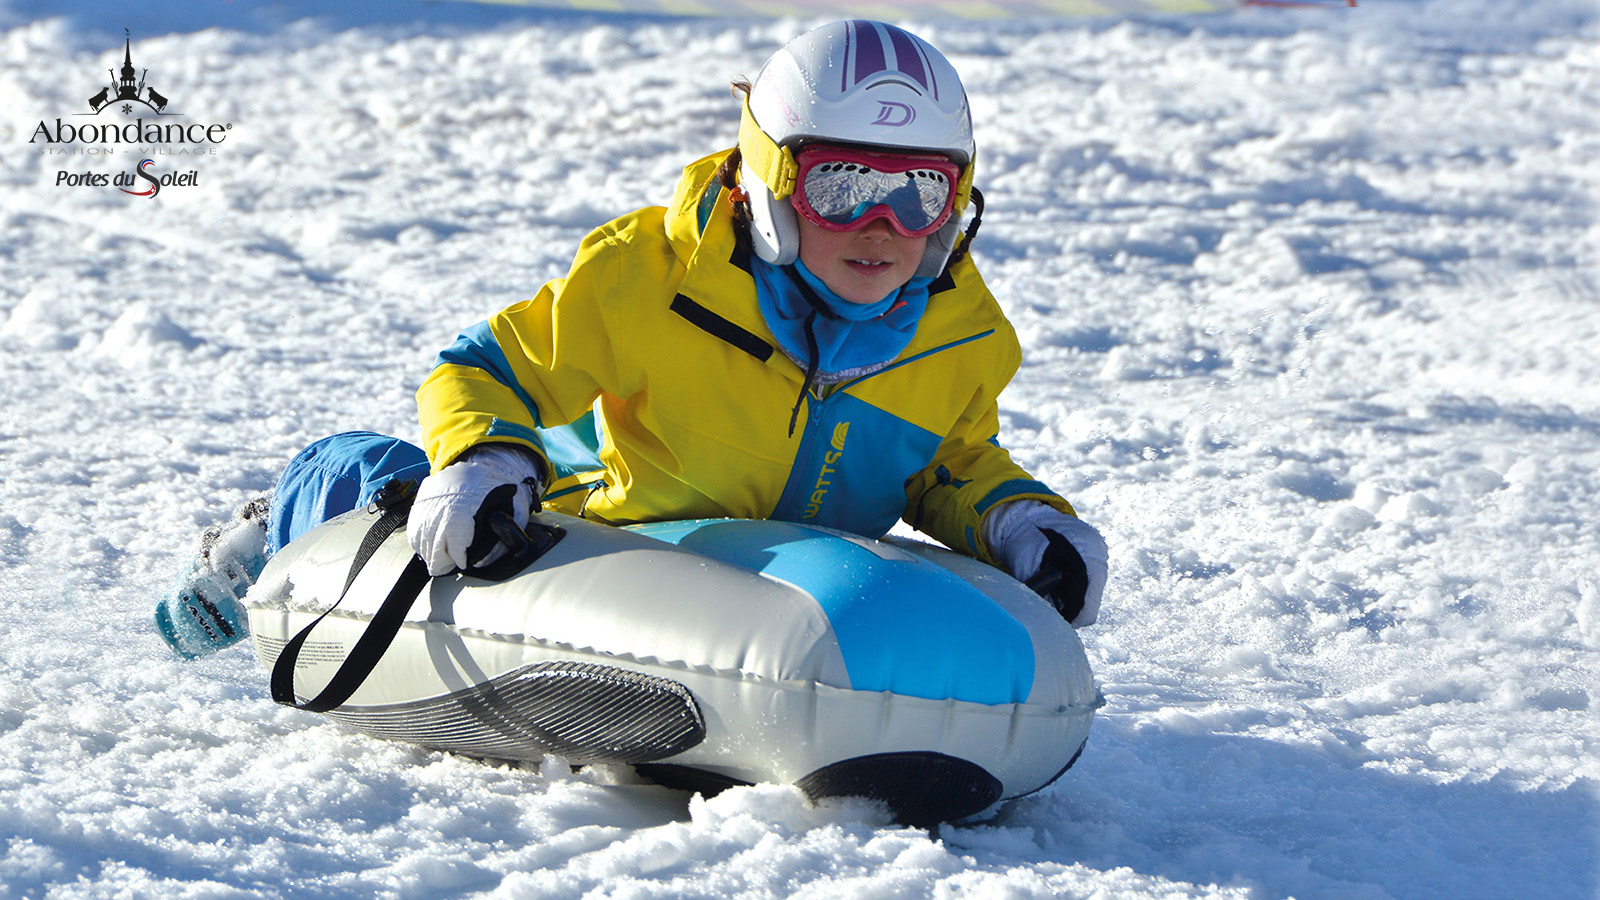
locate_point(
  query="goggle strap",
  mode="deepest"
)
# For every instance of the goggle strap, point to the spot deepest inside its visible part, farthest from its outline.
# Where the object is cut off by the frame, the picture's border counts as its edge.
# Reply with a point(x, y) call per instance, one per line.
point(774, 165)
point(964, 189)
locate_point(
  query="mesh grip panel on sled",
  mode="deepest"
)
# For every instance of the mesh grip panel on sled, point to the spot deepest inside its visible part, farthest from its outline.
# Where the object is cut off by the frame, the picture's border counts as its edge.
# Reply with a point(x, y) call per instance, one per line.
point(584, 712)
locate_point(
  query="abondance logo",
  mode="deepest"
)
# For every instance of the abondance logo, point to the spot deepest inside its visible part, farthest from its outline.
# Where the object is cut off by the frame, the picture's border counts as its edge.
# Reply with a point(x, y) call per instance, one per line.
point(128, 115)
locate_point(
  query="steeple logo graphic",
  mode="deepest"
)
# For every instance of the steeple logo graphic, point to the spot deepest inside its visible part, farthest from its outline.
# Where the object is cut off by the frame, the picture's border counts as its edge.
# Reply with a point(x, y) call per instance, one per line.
point(128, 88)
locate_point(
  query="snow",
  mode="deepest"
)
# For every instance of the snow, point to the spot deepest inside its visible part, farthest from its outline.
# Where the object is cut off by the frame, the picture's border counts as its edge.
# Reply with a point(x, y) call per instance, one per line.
point(1312, 332)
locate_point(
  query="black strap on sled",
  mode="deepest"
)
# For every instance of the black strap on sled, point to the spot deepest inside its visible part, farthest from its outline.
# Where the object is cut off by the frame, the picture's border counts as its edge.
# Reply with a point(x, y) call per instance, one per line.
point(393, 500)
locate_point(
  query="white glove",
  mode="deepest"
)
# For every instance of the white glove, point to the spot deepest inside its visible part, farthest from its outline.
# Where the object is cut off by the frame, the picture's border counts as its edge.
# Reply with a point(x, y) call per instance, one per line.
point(454, 504)
point(1061, 556)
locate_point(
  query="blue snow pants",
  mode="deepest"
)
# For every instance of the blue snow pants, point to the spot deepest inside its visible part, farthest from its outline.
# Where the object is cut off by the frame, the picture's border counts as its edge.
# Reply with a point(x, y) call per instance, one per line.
point(335, 475)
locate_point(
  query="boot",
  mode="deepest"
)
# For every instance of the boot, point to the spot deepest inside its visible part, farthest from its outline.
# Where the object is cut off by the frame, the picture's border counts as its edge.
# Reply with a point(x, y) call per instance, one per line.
point(201, 613)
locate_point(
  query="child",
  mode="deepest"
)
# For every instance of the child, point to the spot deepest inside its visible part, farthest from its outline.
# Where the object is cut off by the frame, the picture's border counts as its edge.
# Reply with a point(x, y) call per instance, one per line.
point(799, 335)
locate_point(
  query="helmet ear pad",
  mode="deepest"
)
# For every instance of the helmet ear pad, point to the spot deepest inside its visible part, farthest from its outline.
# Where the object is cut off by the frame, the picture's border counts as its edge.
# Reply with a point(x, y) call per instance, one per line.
point(774, 225)
point(775, 230)
point(940, 245)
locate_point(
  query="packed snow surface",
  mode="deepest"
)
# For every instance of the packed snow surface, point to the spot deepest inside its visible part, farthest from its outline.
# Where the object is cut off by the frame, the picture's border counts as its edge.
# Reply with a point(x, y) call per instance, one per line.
point(1312, 332)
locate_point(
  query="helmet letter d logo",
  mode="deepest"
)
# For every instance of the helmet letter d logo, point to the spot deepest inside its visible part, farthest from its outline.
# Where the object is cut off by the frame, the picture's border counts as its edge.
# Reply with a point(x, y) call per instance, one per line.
point(894, 114)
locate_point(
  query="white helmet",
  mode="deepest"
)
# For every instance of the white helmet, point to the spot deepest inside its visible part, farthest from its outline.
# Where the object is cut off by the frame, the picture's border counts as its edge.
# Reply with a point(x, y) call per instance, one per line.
point(857, 82)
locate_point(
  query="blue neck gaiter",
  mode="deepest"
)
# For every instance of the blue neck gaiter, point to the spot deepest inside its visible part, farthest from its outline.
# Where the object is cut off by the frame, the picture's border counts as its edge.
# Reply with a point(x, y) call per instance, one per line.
point(848, 335)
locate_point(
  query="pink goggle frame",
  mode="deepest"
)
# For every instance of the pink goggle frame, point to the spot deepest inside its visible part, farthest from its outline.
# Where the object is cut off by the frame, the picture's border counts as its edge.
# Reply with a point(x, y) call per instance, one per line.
point(845, 189)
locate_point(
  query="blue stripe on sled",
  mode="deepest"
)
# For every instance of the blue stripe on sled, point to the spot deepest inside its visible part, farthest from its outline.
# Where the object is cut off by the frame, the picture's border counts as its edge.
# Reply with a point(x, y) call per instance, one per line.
point(904, 625)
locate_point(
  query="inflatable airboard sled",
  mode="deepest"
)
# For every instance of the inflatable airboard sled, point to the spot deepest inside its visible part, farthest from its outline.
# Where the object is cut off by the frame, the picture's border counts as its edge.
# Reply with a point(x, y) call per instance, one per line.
point(707, 653)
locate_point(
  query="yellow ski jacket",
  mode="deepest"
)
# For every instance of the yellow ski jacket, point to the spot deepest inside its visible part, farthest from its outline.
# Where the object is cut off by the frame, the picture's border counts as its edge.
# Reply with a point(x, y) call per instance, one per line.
point(650, 382)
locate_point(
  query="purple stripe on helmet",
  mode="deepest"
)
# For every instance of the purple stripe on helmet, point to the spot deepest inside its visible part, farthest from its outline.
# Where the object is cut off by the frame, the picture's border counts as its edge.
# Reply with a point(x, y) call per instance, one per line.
point(933, 73)
point(908, 57)
point(844, 70)
point(869, 56)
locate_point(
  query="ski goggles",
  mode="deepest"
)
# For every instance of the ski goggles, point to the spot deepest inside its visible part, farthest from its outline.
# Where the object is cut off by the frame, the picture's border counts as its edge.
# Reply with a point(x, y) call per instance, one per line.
point(778, 169)
point(843, 189)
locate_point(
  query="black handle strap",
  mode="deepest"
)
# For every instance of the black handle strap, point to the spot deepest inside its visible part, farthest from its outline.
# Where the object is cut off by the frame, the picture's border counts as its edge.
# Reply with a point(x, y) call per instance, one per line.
point(394, 499)
point(1063, 578)
point(522, 547)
